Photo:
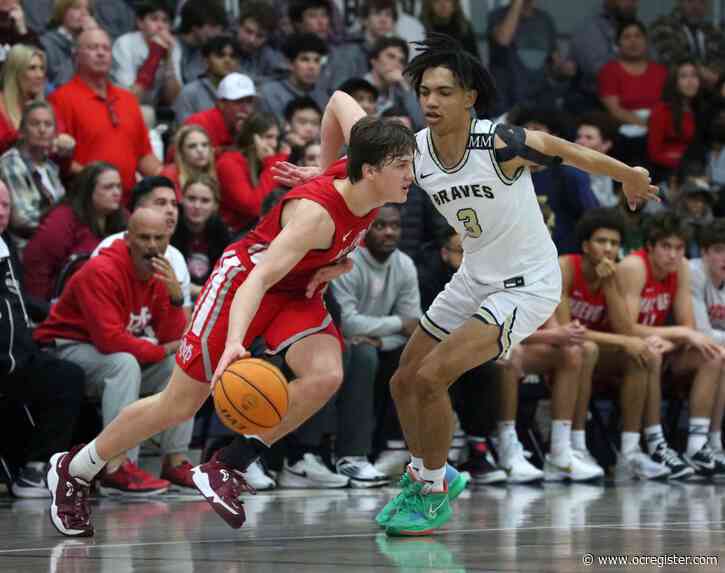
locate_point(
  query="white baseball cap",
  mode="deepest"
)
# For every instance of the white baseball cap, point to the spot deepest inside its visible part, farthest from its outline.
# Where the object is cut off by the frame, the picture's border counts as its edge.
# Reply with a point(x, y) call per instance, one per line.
point(235, 86)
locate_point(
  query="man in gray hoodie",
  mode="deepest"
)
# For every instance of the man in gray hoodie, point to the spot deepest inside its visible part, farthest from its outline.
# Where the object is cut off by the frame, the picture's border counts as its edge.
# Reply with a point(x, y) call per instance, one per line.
point(380, 304)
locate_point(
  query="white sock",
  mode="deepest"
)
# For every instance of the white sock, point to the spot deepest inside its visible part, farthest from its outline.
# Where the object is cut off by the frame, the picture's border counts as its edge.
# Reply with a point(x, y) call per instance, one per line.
point(579, 440)
point(697, 435)
point(716, 441)
point(416, 466)
point(630, 442)
point(87, 463)
point(507, 433)
point(560, 437)
point(435, 477)
point(654, 437)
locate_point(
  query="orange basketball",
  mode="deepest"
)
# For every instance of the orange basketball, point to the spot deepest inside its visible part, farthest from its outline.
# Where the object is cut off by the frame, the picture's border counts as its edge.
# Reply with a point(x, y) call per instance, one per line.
point(251, 396)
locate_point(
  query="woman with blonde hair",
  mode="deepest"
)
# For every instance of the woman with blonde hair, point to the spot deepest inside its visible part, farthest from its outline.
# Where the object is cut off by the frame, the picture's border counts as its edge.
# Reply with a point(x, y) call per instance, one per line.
point(69, 19)
point(23, 80)
point(193, 156)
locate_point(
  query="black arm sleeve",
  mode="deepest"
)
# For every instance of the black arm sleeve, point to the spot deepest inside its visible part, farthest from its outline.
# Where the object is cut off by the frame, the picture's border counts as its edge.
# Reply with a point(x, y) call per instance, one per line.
point(515, 139)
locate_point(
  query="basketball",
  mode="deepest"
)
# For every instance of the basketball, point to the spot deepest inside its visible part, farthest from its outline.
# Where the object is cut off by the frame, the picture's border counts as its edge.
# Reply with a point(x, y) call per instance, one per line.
point(251, 396)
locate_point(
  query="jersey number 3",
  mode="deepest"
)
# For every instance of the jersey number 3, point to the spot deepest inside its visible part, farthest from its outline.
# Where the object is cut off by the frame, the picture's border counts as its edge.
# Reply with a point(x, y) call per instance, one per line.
point(469, 218)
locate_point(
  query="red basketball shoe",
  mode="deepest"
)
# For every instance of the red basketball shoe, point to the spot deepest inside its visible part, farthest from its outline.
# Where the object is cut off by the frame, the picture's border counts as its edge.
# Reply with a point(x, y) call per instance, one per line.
point(70, 513)
point(129, 479)
point(221, 485)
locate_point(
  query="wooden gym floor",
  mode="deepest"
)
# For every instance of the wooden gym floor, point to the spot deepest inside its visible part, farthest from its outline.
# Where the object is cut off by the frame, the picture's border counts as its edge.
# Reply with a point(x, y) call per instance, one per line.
point(553, 527)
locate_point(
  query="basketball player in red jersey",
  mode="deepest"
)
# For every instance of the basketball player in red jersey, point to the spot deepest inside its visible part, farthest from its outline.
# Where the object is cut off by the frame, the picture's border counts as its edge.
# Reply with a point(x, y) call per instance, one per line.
point(591, 296)
point(655, 282)
point(259, 288)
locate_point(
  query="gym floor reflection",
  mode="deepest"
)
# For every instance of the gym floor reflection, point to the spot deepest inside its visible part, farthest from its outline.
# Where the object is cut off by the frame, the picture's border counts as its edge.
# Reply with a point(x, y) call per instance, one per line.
point(553, 527)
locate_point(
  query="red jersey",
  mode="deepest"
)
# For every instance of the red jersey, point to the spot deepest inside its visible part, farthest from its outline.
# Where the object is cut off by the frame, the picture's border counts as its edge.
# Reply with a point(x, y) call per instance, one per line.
point(657, 297)
point(589, 308)
point(349, 230)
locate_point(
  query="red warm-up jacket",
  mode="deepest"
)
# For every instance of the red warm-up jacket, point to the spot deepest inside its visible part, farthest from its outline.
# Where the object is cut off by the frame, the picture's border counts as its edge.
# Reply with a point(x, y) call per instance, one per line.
point(107, 305)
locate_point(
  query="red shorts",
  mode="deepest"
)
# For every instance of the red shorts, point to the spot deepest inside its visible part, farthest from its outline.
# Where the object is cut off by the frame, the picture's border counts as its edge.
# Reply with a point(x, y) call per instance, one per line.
point(282, 319)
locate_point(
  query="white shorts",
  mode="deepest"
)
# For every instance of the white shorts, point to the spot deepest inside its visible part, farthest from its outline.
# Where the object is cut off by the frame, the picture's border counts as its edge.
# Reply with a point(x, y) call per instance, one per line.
point(517, 308)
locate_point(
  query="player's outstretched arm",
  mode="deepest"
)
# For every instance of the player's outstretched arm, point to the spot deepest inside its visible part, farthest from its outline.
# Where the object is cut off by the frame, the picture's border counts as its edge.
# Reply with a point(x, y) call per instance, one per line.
point(636, 183)
point(341, 113)
point(310, 227)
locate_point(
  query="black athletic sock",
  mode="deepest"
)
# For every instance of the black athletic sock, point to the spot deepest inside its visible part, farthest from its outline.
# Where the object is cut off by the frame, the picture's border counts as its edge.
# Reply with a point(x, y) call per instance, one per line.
point(242, 452)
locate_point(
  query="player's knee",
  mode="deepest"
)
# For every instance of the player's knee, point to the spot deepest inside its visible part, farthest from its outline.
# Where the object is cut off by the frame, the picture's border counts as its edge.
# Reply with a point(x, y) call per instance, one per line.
point(328, 383)
point(431, 379)
point(572, 357)
point(714, 364)
point(590, 352)
point(653, 362)
point(402, 382)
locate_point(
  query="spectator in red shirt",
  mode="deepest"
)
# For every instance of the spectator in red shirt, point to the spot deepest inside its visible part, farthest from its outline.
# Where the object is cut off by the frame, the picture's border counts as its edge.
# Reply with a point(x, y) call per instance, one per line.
point(673, 120)
point(115, 320)
point(105, 120)
point(192, 157)
point(236, 100)
point(632, 82)
point(92, 212)
point(245, 174)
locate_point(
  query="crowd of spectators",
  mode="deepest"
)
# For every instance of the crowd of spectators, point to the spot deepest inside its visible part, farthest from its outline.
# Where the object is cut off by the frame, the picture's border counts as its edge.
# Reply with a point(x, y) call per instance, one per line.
point(88, 86)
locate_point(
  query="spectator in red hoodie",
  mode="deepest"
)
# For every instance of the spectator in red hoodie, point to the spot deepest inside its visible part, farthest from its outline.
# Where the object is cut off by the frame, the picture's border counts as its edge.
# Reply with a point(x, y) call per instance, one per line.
point(77, 225)
point(115, 320)
point(245, 175)
point(673, 120)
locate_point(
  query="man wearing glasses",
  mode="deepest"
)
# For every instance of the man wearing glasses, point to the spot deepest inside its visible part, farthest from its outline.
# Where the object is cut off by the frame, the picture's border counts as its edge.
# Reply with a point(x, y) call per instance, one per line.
point(104, 119)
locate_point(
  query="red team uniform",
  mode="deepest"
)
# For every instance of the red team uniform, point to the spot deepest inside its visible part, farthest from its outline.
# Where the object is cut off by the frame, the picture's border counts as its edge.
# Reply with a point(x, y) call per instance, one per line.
point(285, 314)
point(657, 297)
point(589, 308)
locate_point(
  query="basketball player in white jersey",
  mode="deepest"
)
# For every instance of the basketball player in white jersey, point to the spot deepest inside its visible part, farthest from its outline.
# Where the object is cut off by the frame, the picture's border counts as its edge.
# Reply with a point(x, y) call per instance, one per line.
point(476, 173)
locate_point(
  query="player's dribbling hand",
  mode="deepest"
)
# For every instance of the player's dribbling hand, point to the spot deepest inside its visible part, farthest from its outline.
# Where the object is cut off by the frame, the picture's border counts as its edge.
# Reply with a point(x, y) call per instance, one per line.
point(291, 175)
point(232, 352)
point(638, 187)
point(328, 273)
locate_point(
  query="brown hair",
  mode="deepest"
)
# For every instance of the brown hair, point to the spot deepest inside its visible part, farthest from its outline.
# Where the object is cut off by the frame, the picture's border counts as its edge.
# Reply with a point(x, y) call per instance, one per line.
point(206, 181)
point(60, 7)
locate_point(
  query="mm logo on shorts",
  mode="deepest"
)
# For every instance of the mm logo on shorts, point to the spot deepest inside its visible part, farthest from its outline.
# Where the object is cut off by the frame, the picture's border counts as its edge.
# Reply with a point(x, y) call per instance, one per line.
point(185, 351)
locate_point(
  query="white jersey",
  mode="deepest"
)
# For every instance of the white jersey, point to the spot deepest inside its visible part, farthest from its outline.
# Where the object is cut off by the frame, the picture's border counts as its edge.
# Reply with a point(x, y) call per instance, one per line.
point(708, 302)
point(504, 235)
